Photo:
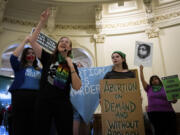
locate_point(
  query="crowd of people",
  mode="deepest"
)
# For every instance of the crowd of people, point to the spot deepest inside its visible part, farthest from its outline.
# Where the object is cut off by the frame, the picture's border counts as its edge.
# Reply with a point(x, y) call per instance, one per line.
point(41, 96)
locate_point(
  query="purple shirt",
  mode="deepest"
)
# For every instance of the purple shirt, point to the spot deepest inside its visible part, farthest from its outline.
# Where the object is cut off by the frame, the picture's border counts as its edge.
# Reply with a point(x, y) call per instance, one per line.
point(157, 101)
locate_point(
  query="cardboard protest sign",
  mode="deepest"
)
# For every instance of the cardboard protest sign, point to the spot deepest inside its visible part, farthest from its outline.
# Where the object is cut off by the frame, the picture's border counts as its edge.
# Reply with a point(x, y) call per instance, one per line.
point(121, 107)
point(172, 87)
point(46, 42)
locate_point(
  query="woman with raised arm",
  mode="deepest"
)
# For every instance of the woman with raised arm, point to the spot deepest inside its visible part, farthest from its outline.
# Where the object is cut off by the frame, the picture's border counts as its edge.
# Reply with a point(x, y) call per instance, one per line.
point(160, 111)
point(59, 73)
point(24, 89)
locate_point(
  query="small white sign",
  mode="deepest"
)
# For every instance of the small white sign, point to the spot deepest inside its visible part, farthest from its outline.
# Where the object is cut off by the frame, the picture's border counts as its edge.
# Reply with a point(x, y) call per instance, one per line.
point(46, 42)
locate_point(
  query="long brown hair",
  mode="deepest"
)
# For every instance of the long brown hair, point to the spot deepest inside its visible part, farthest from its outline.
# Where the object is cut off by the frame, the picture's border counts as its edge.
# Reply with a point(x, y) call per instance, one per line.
point(23, 60)
point(124, 64)
point(55, 53)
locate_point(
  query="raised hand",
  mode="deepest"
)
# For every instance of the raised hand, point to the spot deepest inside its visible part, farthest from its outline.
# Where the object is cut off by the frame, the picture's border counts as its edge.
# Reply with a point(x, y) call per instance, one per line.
point(144, 83)
point(69, 61)
point(174, 100)
point(20, 48)
point(27, 39)
point(44, 15)
point(141, 67)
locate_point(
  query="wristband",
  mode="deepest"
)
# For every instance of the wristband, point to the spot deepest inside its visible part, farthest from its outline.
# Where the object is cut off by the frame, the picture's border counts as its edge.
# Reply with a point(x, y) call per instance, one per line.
point(73, 72)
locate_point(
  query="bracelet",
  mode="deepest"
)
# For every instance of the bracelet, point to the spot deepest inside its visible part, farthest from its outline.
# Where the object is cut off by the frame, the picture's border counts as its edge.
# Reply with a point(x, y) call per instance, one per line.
point(73, 72)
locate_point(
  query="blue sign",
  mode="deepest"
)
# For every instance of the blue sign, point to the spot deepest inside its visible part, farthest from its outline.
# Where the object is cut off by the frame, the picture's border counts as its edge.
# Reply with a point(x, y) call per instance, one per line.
point(86, 100)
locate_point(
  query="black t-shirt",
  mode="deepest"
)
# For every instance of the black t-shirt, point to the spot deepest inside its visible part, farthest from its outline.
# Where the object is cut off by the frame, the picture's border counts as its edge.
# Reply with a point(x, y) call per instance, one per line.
point(119, 75)
point(49, 89)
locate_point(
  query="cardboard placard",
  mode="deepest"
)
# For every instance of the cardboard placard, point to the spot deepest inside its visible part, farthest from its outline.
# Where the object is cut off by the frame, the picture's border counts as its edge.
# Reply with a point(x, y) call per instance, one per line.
point(121, 105)
point(172, 87)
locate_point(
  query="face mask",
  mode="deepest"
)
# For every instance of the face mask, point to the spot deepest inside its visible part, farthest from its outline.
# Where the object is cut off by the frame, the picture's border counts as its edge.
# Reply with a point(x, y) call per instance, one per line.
point(156, 88)
point(32, 58)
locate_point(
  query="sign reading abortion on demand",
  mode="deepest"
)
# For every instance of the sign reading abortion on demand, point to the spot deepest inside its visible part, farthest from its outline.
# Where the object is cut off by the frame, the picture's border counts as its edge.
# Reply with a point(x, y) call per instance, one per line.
point(121, 107)
point(46, 42)
point(86, 100)
point(172, 87)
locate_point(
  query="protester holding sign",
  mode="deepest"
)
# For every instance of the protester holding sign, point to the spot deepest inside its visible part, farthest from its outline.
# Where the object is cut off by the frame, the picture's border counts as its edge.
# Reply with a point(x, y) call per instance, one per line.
point(59, 73)
point(120, 67)
point(24, 89)
point(119, 93)
point(160, 111)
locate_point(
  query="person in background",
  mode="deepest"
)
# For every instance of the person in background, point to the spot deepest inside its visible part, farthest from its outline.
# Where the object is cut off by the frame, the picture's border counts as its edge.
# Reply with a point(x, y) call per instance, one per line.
point(79, 65)
point(58, 75)
point(160, 111)
point(24, 88)
point(79, 126)
point(120, 67)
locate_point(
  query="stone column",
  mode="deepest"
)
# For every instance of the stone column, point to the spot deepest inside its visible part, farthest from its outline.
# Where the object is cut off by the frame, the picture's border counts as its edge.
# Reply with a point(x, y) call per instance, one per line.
point(152, 32)
point(99, 49)
point(51, 20)
point(98, 18)
point(2, 10)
